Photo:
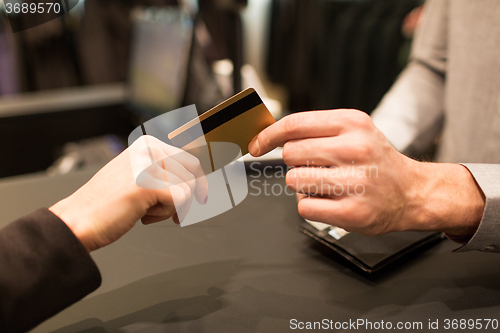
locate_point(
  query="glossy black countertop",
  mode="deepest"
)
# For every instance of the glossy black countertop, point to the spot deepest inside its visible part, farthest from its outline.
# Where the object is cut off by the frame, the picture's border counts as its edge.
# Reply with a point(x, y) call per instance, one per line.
point(250, 270)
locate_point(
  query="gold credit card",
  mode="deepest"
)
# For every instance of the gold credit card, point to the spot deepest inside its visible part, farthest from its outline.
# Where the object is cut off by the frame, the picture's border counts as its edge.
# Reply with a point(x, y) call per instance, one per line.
point(237, 120)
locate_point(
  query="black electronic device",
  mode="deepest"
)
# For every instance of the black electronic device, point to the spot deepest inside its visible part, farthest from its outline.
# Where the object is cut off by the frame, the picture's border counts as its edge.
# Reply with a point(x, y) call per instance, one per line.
point(370, 254)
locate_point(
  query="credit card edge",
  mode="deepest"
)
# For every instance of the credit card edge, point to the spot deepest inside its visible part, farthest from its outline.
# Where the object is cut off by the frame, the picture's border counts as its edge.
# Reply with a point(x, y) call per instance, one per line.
point(213, 110)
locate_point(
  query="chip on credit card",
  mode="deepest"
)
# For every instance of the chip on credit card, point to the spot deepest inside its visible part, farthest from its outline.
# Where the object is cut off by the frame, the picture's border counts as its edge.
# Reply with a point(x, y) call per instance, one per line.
point(237, 120)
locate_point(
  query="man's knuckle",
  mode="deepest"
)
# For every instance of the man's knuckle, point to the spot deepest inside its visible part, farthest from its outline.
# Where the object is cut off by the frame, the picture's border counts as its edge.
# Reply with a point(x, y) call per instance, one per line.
point(263, 139)
point(357, 118)
point(364, 119)
point(363, 150)
point(287, 152)
point(358, 151)
point(293, 123)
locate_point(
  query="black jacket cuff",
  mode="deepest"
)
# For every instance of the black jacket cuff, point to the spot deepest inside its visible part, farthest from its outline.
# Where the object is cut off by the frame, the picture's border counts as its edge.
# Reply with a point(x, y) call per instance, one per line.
point(43, 269)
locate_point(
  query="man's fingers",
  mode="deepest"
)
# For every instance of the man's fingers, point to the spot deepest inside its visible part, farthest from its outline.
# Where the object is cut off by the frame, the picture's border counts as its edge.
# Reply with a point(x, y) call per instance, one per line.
point(324, 181)
point(323, 210)
point(314, 181)
point(300, 196)
point(320, 209)
point(303, 125)
point(324, 151)
point(345, 213)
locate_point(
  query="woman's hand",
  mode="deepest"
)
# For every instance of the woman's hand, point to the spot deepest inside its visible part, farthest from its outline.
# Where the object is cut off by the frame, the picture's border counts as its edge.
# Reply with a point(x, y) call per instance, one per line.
point(133, 186)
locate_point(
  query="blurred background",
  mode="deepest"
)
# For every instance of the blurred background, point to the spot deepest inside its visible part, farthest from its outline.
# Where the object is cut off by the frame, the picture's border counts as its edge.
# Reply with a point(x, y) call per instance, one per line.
point(73, 88)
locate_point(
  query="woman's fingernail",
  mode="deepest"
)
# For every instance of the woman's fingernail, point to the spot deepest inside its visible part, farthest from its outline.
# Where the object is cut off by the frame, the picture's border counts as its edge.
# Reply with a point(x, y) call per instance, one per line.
point(206, 199)
point(254, 147)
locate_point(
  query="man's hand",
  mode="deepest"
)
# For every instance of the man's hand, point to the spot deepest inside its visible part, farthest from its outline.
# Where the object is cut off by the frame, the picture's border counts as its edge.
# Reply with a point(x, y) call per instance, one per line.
point(350, 176)
point(109, 205)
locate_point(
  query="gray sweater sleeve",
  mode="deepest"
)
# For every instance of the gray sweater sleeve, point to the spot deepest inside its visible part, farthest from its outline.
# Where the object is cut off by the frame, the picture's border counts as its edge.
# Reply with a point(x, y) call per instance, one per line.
point(487, 236)
point(410, 115)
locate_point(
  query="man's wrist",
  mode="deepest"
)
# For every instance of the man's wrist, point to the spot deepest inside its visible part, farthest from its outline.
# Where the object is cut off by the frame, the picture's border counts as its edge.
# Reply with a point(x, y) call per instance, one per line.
point(445, 197)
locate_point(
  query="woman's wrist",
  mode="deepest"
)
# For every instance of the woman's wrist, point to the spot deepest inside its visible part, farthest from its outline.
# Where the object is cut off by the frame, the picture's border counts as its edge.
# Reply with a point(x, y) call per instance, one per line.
point(63, 210)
